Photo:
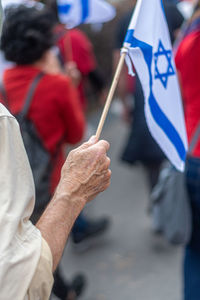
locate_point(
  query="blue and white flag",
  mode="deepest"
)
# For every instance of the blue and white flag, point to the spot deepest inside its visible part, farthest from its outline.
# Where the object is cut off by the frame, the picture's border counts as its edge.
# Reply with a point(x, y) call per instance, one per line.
point(75, 12)
point(148, 47)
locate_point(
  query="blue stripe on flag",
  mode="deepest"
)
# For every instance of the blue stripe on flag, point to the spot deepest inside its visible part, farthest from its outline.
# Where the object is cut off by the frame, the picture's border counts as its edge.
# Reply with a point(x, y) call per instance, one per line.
point(161, 2)
point(64, 8)
point(167, 127)
point(85, 10)
point(158, 115)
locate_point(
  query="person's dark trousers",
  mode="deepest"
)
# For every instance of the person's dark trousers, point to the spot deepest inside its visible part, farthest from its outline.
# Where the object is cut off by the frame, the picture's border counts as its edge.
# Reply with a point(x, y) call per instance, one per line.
point(192, 251)
point(86, 229)
point(60, 287)
point(153, 171)
point(80, 224)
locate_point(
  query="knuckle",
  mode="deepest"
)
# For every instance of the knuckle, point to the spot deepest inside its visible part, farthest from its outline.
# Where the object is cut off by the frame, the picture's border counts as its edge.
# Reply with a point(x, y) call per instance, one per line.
point(103, 145)
point(109, 174)
point(107, 162)
point(101, 150)
point(106, 175)
point(106, 185)
point(73, 152)
point(86, 144)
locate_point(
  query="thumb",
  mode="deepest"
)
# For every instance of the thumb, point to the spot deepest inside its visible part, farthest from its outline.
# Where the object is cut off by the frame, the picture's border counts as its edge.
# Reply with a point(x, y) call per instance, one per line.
point(93, 140)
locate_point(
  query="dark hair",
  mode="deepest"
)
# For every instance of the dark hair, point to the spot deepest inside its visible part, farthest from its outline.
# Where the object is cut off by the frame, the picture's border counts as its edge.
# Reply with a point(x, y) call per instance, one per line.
point(53, 7)
point(27, 34)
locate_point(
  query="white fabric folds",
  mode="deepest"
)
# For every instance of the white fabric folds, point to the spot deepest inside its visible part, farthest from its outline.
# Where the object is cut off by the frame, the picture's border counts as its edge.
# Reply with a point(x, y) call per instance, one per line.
point(20, 241)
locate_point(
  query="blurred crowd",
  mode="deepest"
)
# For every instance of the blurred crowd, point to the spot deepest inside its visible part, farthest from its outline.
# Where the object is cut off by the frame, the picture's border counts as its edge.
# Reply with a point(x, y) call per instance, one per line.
point(75, 69)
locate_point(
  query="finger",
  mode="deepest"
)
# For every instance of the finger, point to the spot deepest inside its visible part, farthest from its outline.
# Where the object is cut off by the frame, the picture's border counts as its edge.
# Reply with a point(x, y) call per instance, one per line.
point(102, 165)
point(105, 175)
point(109, 173)
point(101, 182)
point(107, 162)
point(106, 186)
point(102, 144)
point(89, 143)
point(105, 183)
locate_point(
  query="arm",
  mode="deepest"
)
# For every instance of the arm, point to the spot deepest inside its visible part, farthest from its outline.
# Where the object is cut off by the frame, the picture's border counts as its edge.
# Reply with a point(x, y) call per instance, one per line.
point(84, 175)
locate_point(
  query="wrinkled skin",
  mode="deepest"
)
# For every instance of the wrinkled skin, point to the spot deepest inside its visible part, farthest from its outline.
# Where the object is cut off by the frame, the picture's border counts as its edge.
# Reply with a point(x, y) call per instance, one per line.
point(85, 174)
point(86, 171)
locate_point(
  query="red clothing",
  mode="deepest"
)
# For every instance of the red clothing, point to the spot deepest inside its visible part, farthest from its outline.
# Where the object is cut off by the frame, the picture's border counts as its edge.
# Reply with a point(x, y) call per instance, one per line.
point(75, 46)
point(188, 66)
point(55, 109)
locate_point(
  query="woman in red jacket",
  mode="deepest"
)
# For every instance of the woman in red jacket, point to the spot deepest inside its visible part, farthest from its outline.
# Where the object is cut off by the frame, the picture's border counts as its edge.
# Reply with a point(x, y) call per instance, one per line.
point(76, 54)
point(55, 109)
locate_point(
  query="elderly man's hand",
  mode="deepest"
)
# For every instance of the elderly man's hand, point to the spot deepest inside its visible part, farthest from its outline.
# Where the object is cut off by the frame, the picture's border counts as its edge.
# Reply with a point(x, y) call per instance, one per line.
point(86, 171)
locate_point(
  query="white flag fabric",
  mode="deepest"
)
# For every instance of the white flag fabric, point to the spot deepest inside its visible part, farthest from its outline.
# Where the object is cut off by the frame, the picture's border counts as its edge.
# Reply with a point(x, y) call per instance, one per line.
point(7, 3)
point(75, 12)
point(10, 2)
point(148, 47)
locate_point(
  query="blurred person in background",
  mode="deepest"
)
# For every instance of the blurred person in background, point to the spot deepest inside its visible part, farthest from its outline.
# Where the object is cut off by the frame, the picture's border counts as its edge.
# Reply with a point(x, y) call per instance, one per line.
point(77, 57)
point(55, 110)
point(140, 146)
point(188, 66)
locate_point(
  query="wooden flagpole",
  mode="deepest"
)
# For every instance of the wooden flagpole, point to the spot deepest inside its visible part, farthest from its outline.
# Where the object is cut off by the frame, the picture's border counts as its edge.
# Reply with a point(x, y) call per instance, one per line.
point(110, 94)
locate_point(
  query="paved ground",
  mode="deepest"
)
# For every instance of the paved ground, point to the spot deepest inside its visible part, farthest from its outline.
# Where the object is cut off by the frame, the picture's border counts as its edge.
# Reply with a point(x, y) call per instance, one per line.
point(129, 263)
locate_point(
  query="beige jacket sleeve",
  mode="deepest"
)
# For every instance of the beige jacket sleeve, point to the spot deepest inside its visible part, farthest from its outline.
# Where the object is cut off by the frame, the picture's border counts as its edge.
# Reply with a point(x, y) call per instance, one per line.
point(41, 284)
point(23, 255)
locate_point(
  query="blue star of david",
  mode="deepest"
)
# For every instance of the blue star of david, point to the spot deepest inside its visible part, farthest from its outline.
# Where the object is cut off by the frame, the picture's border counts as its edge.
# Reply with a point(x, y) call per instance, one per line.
point(170, 70)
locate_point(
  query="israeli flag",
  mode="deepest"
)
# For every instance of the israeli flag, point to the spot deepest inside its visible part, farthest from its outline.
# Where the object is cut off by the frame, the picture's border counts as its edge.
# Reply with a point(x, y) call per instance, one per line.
point(148, 47)
point(75, 12)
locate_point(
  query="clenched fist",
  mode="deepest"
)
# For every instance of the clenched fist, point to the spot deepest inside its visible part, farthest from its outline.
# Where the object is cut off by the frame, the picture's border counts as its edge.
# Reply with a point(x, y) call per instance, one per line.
point(86, 172)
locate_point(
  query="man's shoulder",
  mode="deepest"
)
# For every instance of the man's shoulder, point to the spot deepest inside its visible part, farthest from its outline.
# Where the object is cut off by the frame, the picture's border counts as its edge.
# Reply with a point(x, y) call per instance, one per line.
point(4, 112)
